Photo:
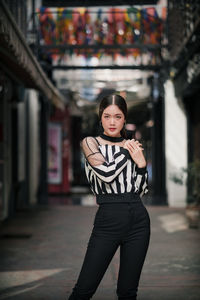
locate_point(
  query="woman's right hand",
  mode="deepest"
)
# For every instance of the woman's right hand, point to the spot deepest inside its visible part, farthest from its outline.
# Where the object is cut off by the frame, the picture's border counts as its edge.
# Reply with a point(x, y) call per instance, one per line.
point(133, 142)
point(126, 144)
point(135, 149)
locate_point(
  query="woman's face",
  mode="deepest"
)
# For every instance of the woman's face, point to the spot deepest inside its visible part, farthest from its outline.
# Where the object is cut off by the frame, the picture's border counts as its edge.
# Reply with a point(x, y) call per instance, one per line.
point(112, 120)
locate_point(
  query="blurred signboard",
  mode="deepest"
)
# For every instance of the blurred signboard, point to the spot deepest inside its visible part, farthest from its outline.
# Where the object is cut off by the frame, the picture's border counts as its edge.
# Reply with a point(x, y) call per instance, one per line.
point(54, 153)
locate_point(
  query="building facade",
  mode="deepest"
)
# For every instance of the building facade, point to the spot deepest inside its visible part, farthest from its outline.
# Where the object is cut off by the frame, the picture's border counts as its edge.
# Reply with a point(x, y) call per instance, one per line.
point(26, 94)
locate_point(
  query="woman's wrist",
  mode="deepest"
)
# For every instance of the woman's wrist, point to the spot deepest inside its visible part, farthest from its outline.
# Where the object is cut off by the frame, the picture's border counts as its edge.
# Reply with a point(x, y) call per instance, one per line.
point(142, 165)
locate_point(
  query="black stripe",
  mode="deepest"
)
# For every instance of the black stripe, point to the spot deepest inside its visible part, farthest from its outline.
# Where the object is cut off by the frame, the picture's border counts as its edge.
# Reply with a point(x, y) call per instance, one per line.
point(106, 146)
point(125, 179)
point(93, 183)
point(144, 179)
point(104, 188)
point(97, 141)
point(118, 186)
point(111, 155)
point(132, 176)
point(89, 173)
point(96, 185)
point(112, 190)
point(98, 188)
point(117, 181)
point(113, 148)
point(141, 184)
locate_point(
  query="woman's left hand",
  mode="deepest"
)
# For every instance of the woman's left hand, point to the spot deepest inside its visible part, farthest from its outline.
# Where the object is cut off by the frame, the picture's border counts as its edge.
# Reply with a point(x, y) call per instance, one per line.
point(135, 149)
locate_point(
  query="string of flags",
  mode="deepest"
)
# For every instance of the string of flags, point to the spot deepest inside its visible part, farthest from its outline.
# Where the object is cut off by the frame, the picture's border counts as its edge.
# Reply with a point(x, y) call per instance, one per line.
point(116, 26)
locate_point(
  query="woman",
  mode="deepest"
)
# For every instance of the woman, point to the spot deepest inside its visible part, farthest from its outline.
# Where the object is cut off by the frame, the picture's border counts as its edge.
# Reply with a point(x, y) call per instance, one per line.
point(116, 170)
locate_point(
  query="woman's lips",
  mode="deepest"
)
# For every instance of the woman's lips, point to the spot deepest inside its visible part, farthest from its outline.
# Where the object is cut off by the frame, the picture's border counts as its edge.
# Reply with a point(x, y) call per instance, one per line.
point(112, 129)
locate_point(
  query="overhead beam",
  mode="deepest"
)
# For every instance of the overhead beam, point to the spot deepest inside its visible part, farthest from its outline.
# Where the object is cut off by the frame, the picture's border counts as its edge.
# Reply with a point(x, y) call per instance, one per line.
point(131, 67)
point(89, 3)
point(97, 47)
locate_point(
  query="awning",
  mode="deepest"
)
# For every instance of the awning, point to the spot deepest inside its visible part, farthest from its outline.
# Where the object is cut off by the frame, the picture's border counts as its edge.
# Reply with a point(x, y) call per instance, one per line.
point(18, 60)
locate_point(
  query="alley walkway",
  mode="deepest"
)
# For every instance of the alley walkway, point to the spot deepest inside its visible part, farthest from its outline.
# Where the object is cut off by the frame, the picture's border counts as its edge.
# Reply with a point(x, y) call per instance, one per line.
point(41, 254)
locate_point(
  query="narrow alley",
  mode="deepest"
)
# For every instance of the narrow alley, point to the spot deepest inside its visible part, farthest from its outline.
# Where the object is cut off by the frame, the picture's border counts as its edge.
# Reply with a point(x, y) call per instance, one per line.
point(42, 252)
point(99, 98)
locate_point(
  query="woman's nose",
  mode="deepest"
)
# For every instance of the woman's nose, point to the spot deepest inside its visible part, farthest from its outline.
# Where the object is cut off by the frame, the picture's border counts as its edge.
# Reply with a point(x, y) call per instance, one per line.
point(112, 121)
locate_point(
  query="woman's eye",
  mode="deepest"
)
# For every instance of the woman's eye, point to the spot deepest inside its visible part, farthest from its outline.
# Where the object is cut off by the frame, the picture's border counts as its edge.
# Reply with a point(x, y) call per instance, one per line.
point(118, 117)
point(106, 117)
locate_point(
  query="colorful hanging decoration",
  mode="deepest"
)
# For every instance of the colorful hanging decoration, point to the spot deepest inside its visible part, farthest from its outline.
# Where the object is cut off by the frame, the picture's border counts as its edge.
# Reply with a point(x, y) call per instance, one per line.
point(115, 27)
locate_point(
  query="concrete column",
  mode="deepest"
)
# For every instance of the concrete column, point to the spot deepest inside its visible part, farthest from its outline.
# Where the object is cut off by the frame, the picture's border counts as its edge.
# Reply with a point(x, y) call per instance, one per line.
point(175, 145)
point(33, 146)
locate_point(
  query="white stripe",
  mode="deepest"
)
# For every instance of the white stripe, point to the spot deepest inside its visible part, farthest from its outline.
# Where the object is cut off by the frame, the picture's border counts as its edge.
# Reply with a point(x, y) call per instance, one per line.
point(110, 154)
point(121, 182)
point(114, 186)
point(134, 166)
point(108, 189)
point(144, 185)
point(103, 150)
point(141, 194)
point(110, 159)
point(138, 181)
point(128, 176)
point(89, 174)
point(100, 183)
point(117, 149)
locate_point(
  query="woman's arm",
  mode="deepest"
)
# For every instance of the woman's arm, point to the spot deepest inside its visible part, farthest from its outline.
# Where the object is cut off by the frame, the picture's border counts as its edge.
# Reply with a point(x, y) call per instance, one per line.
point(104, 170)
point(141, 175)
point(141, 180)
point(135, 149)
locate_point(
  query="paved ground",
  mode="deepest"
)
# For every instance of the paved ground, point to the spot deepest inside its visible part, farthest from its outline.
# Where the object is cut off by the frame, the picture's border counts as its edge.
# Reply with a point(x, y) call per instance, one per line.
point(42, 251)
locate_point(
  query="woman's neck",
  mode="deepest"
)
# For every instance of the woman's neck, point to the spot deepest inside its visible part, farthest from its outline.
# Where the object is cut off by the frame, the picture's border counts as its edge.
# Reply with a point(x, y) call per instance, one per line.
point(111, 138)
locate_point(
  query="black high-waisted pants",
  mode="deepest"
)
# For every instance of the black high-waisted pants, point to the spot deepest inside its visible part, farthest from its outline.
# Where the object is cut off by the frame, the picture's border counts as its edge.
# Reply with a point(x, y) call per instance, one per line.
point(116, 224)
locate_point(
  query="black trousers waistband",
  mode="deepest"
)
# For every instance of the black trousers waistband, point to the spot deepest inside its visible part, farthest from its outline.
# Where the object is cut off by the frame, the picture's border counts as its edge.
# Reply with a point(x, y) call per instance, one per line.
point(118, 198)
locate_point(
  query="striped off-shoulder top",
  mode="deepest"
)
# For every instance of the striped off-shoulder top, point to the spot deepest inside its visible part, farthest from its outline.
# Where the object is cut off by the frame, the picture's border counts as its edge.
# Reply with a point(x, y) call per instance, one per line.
point(110, 170)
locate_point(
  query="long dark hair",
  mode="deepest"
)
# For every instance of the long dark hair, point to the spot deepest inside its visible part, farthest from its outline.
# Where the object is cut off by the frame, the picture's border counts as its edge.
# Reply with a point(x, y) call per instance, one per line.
point(116, 100)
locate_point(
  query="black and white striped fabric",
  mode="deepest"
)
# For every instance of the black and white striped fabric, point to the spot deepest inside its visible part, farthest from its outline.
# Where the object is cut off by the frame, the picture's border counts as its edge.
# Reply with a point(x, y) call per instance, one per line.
point(110, 169)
